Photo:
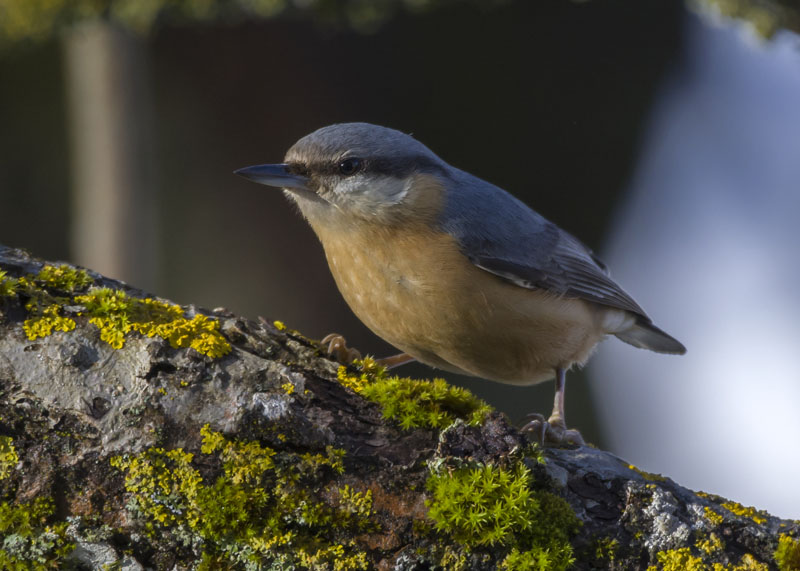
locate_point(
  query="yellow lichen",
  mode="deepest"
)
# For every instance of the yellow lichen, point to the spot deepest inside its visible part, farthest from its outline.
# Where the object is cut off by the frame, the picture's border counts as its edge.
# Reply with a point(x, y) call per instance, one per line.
point(744, 511)
point(368, 371)
point(683, 560)
point(46, 321)
point(649, 476)
point(279, 325)
point(336, 558)
point(263, 509)
point(116, 314)
point(8, 456)
point(30, 542)
point(288, 388)
point(713, 517)
point(746, 563)
point(112, 311)
point(713, 544)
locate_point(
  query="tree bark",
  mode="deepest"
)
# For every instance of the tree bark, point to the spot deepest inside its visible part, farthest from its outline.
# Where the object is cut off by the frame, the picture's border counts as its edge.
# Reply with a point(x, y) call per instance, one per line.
point(157, 456)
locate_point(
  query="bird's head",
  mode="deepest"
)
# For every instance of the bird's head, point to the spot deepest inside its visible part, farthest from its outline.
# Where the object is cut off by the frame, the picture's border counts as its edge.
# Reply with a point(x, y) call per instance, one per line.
point(348, 172)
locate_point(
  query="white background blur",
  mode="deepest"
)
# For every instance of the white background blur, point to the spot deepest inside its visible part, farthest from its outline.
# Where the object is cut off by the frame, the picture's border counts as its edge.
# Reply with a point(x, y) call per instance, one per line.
point(715, 199)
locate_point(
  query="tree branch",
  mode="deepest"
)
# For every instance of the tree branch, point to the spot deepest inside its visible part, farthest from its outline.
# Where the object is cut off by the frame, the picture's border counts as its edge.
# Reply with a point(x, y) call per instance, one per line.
point(138, 434)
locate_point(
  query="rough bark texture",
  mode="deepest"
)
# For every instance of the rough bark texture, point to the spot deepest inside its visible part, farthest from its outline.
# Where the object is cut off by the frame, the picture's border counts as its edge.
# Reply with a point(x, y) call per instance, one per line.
point(294, 469)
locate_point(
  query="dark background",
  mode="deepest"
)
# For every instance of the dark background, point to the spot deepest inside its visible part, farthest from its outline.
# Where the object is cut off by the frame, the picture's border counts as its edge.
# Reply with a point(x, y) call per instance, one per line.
point(547, 99)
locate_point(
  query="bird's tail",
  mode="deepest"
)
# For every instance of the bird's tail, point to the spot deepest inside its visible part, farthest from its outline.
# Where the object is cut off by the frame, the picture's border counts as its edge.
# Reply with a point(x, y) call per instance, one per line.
point(645, 335)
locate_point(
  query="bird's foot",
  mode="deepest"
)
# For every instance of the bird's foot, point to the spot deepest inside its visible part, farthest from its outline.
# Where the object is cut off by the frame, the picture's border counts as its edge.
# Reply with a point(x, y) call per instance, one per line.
point(552, 432)
point(336, 346)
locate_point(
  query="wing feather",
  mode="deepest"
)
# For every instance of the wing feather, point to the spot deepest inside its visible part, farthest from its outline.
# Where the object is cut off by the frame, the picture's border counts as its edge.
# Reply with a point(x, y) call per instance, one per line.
point(502, 235)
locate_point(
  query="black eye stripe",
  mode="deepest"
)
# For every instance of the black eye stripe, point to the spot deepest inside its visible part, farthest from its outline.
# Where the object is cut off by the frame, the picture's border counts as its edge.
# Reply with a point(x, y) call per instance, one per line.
point(397, 167)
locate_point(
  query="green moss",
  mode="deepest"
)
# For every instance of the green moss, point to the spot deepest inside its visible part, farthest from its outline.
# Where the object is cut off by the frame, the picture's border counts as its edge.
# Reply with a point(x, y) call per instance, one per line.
point(29, 543)
point(607, 549)
point(8, 456)
point(64, 278)
point(486, 505)
point(358, 504)
point(414, 403)
point(8, 286)
point(265, 507)
point(787, 555)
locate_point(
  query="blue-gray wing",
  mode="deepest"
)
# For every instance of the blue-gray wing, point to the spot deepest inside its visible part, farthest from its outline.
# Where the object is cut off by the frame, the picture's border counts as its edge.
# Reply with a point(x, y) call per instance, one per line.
point(502, 235)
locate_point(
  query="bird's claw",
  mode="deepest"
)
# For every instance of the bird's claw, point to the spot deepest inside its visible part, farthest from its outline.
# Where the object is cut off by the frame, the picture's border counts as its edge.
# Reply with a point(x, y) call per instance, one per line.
point(336, 346)
point(552, 432)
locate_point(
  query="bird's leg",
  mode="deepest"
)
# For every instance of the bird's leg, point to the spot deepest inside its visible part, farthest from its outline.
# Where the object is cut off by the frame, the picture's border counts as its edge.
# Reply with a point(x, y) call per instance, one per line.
point(554, 430)
point(395, 360)
point(336, 346)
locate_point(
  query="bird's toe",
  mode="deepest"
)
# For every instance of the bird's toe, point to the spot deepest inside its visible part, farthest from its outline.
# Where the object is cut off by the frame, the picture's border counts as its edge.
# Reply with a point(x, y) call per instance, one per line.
point(336, 346)
point(551, 432)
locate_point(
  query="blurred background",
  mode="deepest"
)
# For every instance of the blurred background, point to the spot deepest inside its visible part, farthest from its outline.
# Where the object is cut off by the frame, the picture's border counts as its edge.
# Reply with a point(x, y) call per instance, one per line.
point(664, 135)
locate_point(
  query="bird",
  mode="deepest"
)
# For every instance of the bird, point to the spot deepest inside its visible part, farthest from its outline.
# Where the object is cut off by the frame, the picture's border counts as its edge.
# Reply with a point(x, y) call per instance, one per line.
point(452, 270)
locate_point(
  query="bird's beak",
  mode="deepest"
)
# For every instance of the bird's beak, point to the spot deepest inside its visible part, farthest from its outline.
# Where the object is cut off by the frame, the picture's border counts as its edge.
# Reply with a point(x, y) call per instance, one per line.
point(274, 175)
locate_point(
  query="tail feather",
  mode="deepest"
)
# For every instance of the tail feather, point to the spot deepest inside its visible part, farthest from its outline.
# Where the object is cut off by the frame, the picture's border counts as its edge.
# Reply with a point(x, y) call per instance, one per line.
point(645, 335)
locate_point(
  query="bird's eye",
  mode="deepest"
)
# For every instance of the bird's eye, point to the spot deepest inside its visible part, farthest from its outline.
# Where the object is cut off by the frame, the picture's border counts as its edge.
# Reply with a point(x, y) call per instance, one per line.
point(350, 166)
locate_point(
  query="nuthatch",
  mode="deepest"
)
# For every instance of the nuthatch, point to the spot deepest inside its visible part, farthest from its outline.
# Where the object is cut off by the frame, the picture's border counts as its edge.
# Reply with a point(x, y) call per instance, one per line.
point(452, 270)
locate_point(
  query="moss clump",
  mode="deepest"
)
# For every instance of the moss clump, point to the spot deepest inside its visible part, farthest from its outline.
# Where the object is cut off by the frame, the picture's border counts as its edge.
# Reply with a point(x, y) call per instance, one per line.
point(8, 286)
point(63, 278)
point(8, 456)
point(29, 543)
point(787, 555)
point(606, 549)
point(263, 508)
point(487, 506)
point(414, 403)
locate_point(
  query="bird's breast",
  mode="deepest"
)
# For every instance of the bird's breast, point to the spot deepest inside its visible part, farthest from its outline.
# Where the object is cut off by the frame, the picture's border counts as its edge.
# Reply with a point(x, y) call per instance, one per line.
point(414, 288)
